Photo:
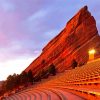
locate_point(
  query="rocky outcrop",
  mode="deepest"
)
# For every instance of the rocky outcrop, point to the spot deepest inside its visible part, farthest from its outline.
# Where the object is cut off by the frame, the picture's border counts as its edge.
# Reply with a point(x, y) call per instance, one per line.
point(73, 42)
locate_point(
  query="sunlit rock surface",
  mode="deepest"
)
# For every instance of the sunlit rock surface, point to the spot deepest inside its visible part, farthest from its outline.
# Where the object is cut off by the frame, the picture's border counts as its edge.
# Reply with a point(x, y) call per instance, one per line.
point(73, 42)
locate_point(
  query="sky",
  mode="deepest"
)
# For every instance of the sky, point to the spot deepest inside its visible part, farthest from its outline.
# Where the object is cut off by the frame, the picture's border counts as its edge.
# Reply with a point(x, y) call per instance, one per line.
point(26, 26)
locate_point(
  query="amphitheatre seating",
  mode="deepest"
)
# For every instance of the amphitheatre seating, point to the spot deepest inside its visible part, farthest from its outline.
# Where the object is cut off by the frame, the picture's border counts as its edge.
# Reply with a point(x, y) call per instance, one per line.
point(82, 83)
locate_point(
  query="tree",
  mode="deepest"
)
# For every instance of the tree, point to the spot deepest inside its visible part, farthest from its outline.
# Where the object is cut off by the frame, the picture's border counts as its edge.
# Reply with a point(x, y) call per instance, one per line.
point(30, 76)
point(23, 77)
point(74, 64)
point(3, 88)
point(52, 69)
point(17, 80)
point(9, 83)
point(44, 73)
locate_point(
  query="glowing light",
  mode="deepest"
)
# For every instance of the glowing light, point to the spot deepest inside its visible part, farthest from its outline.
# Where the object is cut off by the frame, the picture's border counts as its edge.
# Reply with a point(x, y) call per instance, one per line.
point(92, 51)
point(91, 54)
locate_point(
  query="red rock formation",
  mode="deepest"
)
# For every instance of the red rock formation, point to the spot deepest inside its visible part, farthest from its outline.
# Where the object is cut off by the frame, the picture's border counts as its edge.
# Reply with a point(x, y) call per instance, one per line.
point(73, 42)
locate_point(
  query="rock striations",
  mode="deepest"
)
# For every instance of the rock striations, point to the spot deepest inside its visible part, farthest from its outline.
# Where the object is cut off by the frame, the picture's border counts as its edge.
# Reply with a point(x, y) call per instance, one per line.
point(73, 42)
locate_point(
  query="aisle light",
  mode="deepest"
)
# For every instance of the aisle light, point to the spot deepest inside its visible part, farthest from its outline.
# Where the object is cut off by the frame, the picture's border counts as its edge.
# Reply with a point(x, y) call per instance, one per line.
point(92, 51)
point(91, 54)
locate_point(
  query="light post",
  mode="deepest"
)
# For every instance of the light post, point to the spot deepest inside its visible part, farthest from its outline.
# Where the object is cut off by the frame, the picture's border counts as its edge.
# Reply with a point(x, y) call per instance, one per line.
point(91, 54)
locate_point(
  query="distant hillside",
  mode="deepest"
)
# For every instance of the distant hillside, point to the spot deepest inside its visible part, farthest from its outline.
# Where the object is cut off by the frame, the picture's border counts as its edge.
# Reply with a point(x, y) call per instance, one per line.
point(1, 82)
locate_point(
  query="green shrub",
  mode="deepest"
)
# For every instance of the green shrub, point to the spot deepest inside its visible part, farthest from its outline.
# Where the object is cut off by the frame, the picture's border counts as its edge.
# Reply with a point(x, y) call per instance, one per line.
point(52, 69)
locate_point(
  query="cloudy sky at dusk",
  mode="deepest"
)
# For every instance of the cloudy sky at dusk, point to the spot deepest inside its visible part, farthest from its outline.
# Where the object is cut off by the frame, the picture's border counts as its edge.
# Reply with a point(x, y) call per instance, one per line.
point(28, 25)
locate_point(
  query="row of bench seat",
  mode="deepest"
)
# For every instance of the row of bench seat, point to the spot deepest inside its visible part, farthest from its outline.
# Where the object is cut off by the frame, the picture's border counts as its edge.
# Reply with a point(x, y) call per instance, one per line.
point(82, 83)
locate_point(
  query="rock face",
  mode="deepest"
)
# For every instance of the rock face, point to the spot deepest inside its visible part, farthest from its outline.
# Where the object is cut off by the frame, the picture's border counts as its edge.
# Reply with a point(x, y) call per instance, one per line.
point(73, 42)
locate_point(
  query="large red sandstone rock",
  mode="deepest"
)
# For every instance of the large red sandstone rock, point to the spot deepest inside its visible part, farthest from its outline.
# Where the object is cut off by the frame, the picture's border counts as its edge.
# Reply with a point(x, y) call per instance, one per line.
point(73, 42)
